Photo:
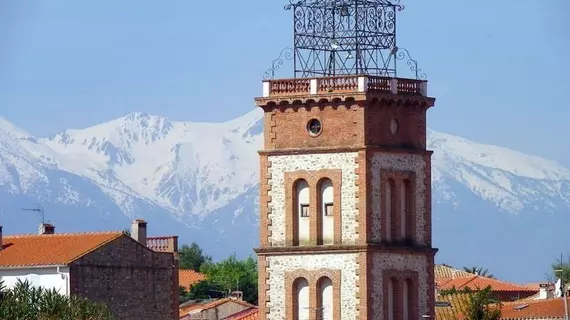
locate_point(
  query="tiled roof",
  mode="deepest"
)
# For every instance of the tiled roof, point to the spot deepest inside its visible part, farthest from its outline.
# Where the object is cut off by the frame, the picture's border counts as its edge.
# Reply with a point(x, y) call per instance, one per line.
point(248, 314)
point(187, 277)
point(457, 309)
point(478, 282)
point(50, 249)
point(443, 271)
point(209, 305)
point(539, 309)
point(516, 310)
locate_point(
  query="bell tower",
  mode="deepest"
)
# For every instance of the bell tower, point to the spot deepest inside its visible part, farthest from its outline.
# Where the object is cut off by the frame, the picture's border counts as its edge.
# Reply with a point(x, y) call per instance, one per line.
point(345, 190)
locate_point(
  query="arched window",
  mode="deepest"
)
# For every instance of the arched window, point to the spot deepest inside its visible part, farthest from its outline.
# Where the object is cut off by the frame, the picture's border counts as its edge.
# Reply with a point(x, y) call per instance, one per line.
point(325, 299)
point(407, 211)
point(302, 212)
point(392, 285)
point(389, 205)
point(326, 223)
point(403, 212)
point(409, 301)
point(301, 299)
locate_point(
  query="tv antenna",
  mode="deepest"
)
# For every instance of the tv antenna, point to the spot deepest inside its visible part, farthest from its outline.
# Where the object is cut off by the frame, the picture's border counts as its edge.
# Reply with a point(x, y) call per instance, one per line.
point(39, 209)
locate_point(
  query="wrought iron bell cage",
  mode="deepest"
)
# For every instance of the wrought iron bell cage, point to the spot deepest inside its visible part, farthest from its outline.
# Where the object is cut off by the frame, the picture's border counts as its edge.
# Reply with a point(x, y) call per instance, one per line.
point(343, 37)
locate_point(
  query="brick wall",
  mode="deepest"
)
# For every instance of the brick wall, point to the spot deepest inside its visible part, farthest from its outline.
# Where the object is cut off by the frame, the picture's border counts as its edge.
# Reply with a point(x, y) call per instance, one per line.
point(135, 282)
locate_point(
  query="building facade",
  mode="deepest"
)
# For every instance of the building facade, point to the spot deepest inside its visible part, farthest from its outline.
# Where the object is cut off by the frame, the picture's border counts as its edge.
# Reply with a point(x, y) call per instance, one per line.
point(133, 280)
point(345, 195)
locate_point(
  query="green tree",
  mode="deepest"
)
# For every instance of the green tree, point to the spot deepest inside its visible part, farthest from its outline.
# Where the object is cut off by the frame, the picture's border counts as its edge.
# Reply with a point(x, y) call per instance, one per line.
point(24, 302)
point(225, 276)
point(482, 306)
point(192, 257)
point(483, 272)
point(561, 269)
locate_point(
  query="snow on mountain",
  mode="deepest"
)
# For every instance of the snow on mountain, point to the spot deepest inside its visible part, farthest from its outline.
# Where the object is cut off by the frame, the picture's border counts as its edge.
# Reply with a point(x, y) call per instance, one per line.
point(205, 175)
point(196, 168)
point(186, 167)
point(507, 178)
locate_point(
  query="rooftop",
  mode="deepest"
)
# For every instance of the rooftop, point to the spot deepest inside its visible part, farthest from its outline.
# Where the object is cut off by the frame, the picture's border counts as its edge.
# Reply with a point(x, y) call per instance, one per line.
point(445, 271)
point(199, 307)
point(248, 314)
point(516, 310)
point(187, 277)
point(50, 249)
point(479, 282)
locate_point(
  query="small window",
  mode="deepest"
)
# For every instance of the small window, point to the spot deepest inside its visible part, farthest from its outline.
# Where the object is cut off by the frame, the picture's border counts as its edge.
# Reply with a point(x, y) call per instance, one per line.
point(304, 210)
point(329, 209)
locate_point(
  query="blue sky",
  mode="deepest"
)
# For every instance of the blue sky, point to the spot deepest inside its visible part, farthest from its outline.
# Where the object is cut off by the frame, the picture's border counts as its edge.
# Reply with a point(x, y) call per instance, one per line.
point(499, 69)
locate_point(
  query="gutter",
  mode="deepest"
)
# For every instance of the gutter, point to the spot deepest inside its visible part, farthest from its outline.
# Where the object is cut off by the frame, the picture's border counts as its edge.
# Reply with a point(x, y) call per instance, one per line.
point(33, 267)
point(66, 277)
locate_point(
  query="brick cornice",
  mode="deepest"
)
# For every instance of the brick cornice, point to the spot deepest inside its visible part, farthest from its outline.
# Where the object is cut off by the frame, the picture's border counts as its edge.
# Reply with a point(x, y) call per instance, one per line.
point(300, 100)
point(298, 151)
point(336, 249)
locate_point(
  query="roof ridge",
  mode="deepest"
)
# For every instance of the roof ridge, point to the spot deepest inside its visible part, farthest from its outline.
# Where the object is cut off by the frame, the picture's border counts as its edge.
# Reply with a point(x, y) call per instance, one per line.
point(117, 236)
point(66, 234)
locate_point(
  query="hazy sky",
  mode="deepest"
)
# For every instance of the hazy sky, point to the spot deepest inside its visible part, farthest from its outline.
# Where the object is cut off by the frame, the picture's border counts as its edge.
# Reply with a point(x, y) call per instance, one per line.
point(499, 69)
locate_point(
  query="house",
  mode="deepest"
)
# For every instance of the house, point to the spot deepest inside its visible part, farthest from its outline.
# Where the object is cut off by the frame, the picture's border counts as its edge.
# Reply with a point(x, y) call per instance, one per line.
point(542, 309)
point(188, 277)
point(134, 281)
point(526, 309)
point(501, 290)
point(220, 309)
point(248, 314)
point(444, 271)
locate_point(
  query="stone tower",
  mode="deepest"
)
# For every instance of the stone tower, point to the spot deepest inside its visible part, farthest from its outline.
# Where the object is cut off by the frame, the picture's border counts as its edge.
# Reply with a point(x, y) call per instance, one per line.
point(345, 190)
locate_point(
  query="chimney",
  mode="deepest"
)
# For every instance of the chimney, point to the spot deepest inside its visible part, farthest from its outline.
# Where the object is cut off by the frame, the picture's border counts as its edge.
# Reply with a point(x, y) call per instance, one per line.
point(138, 231)
point(543, 293)
point(46, 228)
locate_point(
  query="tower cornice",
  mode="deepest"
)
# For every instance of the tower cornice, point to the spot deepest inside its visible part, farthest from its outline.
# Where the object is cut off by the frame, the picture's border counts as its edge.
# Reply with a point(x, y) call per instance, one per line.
point(386, 248)
point(293, 151)
point(343, 89)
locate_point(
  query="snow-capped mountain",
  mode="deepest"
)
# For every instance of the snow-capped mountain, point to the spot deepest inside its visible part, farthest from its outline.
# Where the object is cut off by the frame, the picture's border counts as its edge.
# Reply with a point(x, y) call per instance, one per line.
point(492, 205)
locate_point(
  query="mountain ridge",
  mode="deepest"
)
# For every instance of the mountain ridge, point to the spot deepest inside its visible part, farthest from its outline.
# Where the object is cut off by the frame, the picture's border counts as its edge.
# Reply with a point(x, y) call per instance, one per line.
point(204, 177)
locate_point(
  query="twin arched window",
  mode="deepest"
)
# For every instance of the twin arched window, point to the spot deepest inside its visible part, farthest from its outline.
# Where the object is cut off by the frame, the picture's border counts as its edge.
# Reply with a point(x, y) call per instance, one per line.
point(312, 209)
point(398, 210)
point(402, 303)
point(302, 296)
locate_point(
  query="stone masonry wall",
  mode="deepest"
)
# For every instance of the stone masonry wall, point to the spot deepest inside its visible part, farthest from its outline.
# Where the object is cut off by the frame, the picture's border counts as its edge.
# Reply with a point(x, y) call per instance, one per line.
point(278, 165)
point(345, 264)
point(135, 282)
point(401, 162)
point(399, 263)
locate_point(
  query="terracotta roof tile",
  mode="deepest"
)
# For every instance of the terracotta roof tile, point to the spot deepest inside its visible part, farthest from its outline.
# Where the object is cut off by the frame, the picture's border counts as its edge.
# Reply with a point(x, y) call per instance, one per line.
point(443, 271)
point(50, 249)
point(209, 305)
point(457, 309)
point(547, 308)
point(248, 314)
point(187, 277)
point(478, 282)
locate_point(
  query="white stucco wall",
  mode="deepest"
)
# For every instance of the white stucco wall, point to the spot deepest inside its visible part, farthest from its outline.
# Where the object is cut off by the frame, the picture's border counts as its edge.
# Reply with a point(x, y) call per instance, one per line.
point(346, 162)
point(398, 162)
point(387, 261)
point(278, 266)
point(42, 277)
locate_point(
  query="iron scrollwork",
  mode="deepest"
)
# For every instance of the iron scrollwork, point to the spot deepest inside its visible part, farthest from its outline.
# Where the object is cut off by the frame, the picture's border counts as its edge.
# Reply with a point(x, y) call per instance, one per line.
point(286, 54)
point(401, 54)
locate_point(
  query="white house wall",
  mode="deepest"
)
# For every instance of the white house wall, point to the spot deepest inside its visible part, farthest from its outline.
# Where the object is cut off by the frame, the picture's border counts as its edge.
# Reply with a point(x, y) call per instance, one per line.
point(40, 277)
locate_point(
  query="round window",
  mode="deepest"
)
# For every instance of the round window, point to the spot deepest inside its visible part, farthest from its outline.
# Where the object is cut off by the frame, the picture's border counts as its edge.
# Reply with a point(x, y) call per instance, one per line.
point(314, 127)
point(394, 126)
